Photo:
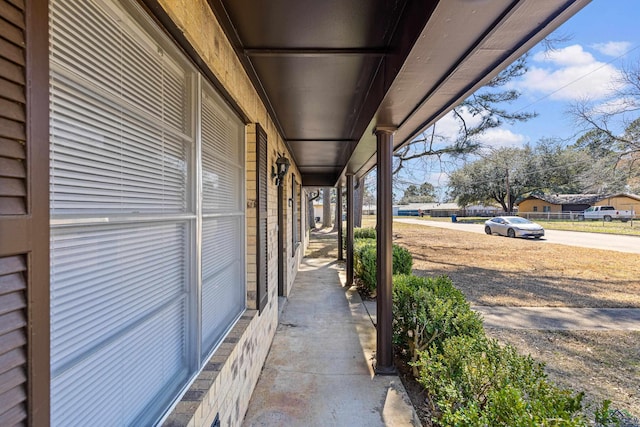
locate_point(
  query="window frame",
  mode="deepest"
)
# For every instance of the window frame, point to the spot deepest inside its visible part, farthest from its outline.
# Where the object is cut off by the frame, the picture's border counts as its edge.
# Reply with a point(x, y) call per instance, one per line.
point(193, 216)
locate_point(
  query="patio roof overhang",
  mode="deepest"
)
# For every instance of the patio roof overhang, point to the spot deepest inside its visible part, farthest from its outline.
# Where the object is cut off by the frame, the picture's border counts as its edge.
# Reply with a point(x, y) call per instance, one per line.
point(332, 71)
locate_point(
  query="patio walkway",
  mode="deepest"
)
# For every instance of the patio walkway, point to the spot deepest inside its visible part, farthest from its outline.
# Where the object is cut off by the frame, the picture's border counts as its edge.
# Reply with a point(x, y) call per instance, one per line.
point(561, 318)
point(318, 371)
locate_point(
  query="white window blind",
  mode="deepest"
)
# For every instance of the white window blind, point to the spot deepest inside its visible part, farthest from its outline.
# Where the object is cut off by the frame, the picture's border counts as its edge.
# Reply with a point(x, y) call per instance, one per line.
point(118, 333)
point(121, 145)
point(122, 115)
point(106, 158)
point(223, 277)
point(125, 216)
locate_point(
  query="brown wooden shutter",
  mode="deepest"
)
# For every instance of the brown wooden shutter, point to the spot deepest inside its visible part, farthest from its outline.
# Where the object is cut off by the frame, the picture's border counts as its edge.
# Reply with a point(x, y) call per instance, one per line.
point(12, 110)
point(24, 213)
point(13, 339)
point(262, 214)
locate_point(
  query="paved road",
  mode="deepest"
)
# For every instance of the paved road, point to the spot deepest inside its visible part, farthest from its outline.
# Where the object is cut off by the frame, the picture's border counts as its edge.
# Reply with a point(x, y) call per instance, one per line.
point(630, 244)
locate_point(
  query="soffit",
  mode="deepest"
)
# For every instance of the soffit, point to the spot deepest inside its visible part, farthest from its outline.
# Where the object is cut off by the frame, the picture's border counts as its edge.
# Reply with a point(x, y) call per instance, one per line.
point(330, 71)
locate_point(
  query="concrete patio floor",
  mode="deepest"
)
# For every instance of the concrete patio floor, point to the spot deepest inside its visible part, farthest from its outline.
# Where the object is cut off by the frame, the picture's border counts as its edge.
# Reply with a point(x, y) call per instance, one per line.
point(319, 369)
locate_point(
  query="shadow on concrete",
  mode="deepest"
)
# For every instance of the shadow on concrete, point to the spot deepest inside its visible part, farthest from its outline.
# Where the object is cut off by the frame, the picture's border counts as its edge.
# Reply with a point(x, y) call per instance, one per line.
point(319, 368)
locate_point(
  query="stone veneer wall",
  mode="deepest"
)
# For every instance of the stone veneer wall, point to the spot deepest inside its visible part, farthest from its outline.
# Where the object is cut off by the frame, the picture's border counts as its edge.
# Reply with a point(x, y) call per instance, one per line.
point(224, 386)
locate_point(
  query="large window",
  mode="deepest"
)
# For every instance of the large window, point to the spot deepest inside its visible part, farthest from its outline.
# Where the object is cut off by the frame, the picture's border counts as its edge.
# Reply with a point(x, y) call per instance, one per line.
point(147, 216)
point(223, 278)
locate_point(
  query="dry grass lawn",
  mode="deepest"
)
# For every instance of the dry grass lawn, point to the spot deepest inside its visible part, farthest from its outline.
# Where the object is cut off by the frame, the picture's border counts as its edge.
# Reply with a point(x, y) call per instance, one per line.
point(493, 270)
point(605, 365)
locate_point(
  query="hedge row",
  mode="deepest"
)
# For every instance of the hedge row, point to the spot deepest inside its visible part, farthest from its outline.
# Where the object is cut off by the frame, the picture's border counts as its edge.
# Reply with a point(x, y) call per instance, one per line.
point(426, 312)
point(364, 263)
point(471, 380)
point(358, 233)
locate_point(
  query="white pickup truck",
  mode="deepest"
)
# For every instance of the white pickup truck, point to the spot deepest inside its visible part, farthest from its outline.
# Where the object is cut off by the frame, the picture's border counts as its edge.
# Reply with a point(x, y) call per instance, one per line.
point(606, 213)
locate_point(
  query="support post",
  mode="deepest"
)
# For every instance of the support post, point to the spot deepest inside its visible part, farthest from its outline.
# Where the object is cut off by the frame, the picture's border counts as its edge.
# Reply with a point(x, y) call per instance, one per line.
point(384, 273)
point(349, 236)
point(339, 222)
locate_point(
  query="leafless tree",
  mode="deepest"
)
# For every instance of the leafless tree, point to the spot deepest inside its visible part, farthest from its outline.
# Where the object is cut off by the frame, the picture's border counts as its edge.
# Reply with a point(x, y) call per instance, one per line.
point(614, 124)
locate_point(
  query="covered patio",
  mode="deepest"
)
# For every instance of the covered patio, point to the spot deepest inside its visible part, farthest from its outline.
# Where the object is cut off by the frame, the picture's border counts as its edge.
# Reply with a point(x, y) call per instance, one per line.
point(348, 83)
point(154, 156)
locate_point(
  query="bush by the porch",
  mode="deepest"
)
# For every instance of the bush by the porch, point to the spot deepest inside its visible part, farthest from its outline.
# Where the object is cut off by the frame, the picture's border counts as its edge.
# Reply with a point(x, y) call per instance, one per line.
point(364, 233)
point(365, 263)
point(427, 311)
point(473, 381)
point(470, 379)
point(358, 234)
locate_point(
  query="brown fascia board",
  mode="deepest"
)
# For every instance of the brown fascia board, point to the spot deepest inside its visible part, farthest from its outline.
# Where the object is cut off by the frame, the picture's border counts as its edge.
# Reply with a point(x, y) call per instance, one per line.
point(407, 131)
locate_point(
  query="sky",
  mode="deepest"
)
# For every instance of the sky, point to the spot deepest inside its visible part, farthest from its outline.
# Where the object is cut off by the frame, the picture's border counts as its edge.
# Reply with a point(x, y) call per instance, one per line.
point(602, 37)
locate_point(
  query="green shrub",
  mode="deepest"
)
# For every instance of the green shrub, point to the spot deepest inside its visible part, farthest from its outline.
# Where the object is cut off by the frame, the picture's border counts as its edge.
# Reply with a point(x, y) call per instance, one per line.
point(427, 311)
point(476, 382)
point(402, 260)
point(472, 380)
point(358, 233)
point(365, 263)
point(358, 246)
point(364, 233)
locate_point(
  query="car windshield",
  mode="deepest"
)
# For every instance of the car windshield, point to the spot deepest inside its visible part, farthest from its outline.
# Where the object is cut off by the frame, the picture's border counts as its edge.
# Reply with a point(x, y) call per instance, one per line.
point(519, 221)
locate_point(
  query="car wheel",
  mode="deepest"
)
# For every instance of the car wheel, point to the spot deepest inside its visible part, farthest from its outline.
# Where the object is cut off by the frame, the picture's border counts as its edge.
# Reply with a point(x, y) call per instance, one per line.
point(537, 237)
point(487, 230)
point(511, 233)
point(607, 218)
point(580, 217)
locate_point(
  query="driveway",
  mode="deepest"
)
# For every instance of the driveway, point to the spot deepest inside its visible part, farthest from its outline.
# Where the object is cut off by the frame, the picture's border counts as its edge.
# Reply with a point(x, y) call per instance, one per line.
point(610, 242)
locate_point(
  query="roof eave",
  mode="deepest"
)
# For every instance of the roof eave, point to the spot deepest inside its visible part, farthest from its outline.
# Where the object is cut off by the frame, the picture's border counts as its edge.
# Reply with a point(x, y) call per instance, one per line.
point(476, 65)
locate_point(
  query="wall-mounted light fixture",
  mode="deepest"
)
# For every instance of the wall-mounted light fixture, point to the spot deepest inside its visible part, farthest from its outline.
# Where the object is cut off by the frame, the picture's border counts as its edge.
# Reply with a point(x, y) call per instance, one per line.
point(280, 169)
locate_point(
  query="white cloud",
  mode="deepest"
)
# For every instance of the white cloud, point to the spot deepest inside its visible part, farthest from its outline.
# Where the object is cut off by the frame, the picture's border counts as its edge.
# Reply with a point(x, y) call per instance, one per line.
point(448, 126)
point(570, 74)
point(500, 138)
point(573, 55)
point(612, 48)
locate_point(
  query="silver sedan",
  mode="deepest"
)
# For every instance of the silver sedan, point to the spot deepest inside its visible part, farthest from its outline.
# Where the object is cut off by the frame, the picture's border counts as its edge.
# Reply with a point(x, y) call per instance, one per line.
point(513, 226)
